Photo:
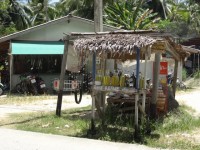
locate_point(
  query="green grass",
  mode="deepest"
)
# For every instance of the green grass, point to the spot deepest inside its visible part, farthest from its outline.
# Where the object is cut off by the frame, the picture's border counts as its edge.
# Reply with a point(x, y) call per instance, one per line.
point(167, 132)
point(178, 121)
point(73, 122)
point(170, 130)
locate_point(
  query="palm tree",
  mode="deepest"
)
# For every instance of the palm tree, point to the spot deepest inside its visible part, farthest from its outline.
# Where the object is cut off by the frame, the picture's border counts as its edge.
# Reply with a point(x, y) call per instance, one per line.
point(183, 18)
point(42, 11)
point(6, 24)
point(18, 13)
point(81, 8)
point(129, 15)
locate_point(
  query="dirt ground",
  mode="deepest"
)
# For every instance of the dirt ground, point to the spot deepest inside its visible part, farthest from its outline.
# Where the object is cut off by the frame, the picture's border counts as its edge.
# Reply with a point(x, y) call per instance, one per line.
point(44, 105)
point(190, 98)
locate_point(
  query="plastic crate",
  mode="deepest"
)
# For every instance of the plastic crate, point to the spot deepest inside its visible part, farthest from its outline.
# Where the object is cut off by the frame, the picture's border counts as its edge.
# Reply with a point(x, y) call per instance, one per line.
point(69, 85)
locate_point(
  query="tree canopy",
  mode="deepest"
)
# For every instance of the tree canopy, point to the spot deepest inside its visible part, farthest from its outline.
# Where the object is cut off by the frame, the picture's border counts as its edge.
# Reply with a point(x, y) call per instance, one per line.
point(178, 16)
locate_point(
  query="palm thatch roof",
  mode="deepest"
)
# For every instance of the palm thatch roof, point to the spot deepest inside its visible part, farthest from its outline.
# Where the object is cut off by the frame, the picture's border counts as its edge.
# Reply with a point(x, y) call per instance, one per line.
point(123, 44)
point(119, 43)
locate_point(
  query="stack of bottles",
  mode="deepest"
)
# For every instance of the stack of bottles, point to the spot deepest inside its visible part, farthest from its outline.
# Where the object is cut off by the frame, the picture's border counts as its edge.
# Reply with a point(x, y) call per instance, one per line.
point(110, 79)
point(118, 79)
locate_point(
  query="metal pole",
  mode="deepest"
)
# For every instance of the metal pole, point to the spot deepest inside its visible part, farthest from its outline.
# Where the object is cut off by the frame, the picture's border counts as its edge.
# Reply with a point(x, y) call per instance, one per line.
point(62, 75)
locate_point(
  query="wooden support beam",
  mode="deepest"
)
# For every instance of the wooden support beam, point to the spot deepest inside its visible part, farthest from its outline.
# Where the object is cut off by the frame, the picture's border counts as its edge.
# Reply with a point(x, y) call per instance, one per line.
point(175, 77)
point(136, 114)
point(145, 78)
point(98, 19)
point(137, 94)
point(180, 70)
point(198, 65)
point(61, 82)
point(137, 68)
point(193, 66)
point(98, 27)
point(11, 65)
point(155, 86)
point(93, 77)
point(171, 50)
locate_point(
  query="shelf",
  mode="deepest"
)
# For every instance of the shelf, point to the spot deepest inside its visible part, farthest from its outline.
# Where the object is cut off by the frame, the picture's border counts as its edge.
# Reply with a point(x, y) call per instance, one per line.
point(124, 90)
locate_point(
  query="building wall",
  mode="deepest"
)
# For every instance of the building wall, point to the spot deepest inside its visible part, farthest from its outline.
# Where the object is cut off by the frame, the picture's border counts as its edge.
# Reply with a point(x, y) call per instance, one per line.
point(55, 32)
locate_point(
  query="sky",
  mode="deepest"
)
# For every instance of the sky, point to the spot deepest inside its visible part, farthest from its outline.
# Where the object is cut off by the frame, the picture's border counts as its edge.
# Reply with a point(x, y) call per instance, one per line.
point(51, 1)
point(54, 1)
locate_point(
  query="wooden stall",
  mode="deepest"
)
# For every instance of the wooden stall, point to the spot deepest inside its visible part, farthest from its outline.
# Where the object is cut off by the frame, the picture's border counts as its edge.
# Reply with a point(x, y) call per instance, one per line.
point(123, 45)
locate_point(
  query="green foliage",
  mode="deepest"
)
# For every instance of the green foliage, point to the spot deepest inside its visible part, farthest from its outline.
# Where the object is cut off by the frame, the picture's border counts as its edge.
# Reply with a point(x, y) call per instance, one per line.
point(130, 15)
point(178, 121)
point(197, 74)
point(4, 5)
point(7, 30)
point(184, 74)
point(169, 132)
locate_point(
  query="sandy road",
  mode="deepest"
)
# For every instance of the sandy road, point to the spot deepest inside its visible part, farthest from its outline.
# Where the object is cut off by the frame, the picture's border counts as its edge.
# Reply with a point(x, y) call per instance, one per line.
point(44, 105)
point(191, 99)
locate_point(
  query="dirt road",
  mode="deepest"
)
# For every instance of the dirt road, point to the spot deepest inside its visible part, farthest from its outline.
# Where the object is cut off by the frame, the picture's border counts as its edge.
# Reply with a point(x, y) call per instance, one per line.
point(191, 99)
point(44, 105)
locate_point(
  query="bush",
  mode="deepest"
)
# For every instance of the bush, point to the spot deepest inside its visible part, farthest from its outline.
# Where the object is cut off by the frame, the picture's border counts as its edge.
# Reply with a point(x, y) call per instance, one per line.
point(197, 74)
point(184, 74)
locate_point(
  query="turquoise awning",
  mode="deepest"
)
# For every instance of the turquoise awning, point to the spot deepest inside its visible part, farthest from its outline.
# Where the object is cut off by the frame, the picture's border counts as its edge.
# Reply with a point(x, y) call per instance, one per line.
point(37, 48)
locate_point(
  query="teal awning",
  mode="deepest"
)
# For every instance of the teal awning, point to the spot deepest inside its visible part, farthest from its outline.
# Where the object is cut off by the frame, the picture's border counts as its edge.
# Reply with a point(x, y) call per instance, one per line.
point(37, 48)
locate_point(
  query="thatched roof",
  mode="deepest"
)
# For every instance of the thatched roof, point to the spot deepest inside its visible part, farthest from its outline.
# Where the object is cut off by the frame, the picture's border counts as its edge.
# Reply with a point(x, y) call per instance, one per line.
point(124, 43)
point(120, 43)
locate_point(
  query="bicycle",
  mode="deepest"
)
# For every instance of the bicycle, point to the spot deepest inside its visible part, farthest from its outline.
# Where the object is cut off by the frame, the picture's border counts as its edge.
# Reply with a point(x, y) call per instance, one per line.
point(22, 87)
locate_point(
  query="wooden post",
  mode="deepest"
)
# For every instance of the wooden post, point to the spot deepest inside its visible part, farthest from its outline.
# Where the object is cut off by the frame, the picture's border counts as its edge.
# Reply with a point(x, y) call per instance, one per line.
point(155, 86)
point(136, 134)
point(145, 78)
point(104, 73)
point(180, 70)
point(194, 63)
point(175, 77)
point(137, 94)
point(11, 70)
point(137, 68)
point(62, 75)
point(198, 64)
point(98, 19)
point(98, 27)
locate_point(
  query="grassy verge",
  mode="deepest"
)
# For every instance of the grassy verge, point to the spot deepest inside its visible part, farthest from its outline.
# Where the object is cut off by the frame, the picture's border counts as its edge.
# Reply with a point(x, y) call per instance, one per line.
point(175, 131)
point(73, 122)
